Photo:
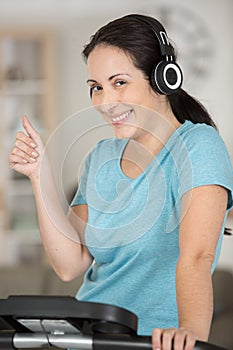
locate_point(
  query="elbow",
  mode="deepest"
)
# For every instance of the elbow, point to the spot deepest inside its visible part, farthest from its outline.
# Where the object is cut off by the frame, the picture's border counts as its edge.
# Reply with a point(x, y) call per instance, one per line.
point(203, 260)
point(67, 275)
point(206, 259)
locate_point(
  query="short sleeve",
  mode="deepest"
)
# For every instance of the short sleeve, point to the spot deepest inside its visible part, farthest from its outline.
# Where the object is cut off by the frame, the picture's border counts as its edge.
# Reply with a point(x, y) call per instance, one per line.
point(205, 161)
point(80, 195)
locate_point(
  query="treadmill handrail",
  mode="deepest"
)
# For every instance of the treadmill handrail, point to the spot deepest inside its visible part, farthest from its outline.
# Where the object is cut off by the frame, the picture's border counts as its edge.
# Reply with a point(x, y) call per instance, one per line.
point(87, 342)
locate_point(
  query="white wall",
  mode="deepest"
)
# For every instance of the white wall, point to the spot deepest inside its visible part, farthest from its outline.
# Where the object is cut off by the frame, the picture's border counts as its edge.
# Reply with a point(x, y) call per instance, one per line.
point(74, 21)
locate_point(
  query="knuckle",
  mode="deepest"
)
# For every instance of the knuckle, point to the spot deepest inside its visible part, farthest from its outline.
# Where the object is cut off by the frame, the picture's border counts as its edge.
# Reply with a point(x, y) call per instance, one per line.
point(19, 134)
point(167, 333)
point(190, 341)
point(15, 150)
point(156, 334)
point(169, 330)
point(179, 338)
point(18, 143)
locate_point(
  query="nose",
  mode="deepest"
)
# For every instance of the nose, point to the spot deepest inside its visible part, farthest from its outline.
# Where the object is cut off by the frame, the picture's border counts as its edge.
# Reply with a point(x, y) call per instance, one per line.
point(107, 108)
point(108, 102)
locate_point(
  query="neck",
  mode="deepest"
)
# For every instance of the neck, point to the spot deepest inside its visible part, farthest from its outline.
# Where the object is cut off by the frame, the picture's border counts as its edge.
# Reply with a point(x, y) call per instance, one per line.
point(157, 131)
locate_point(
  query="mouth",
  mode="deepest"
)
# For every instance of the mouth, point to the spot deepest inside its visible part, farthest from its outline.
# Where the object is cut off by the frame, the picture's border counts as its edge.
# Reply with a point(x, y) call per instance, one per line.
point(121, 118)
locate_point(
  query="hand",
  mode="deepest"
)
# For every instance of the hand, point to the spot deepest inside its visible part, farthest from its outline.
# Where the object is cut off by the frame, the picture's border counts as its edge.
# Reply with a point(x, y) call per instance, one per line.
point(27, 152)
point(172, 338)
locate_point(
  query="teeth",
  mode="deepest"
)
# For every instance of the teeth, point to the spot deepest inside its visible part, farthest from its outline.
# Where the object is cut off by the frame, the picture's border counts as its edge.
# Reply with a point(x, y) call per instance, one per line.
point(122, 116)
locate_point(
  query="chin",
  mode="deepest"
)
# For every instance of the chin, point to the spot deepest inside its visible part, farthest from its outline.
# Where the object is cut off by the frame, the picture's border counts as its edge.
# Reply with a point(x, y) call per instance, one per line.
point(124, 132)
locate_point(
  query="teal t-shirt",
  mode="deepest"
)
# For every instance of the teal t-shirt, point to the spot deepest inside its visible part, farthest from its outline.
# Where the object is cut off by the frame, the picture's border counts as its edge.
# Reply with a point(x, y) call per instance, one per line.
point(133, 224)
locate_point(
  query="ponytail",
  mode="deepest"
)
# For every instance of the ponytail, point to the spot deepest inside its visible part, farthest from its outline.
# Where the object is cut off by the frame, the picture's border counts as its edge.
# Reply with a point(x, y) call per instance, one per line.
point(186, 107)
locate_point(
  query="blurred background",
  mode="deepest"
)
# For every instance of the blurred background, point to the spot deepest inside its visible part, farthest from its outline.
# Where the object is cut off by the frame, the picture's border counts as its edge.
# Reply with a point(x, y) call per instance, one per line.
point(42, 75)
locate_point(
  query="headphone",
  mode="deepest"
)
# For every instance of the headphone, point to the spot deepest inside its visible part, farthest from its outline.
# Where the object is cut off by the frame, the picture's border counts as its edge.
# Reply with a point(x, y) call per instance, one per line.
point(166, 76)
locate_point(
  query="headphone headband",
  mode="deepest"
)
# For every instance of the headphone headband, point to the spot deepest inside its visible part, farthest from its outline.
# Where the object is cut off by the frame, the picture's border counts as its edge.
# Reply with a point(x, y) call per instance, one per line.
point(159, 31)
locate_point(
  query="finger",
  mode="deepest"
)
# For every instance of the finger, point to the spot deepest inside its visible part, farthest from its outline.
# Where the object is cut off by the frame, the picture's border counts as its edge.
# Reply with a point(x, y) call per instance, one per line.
point(14, 160)
point(23, 155)
point(190, 341)
point(179, 340)
point(21, 146)
point(167, 338)
point(184, 339)
point(26, 139)
point(156, 338)
point(29, 128)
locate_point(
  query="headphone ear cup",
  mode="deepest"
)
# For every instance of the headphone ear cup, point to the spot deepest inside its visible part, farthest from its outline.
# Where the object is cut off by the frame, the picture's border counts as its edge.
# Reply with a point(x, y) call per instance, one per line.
point(166, 77)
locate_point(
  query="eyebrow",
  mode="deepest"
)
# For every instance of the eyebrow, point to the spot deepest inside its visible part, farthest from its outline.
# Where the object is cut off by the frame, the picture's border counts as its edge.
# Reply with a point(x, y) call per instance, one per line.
point(110, 78)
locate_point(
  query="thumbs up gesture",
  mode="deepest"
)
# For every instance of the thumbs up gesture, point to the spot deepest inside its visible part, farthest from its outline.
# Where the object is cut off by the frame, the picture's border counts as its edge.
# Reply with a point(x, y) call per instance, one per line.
point(27, 151)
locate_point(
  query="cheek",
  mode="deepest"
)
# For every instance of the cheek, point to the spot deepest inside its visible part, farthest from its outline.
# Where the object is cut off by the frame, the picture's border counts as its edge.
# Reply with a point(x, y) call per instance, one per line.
point(138, 95)
point(95, 103)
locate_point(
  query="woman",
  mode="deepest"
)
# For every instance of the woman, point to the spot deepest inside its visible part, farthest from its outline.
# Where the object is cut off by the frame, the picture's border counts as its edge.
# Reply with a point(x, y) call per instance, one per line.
point(152, 202)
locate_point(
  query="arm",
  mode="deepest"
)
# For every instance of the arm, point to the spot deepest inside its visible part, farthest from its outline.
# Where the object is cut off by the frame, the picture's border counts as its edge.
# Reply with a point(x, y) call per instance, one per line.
point(203, 211)
point(62, 240)
point(202, 215)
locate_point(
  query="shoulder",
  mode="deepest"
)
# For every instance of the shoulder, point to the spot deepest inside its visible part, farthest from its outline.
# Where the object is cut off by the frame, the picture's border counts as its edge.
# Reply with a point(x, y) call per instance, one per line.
point(204, 141)
point(200, 133)
point(203, 158)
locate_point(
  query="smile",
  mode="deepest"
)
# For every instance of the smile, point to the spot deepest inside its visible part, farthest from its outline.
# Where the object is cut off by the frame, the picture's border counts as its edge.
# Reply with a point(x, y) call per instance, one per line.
point(121, 117)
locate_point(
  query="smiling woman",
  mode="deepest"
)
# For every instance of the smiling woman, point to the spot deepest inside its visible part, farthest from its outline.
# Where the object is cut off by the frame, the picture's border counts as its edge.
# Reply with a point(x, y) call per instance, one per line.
point(147, 221)
point(119, 97)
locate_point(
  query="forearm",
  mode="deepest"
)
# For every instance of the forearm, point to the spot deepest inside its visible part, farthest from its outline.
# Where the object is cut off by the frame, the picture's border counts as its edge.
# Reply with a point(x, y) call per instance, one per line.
point(195, 295)
point(61, 241)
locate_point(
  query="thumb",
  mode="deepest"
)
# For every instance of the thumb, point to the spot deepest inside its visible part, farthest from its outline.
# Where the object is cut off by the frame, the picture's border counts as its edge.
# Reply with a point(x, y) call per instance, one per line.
point(29, 128)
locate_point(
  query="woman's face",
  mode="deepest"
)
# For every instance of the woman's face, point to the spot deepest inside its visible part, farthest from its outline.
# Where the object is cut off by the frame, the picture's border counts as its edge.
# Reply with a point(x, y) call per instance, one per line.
point(120, 91)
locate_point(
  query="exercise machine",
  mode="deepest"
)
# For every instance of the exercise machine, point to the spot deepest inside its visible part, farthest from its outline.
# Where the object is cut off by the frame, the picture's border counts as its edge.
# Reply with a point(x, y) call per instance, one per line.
point(28, 322)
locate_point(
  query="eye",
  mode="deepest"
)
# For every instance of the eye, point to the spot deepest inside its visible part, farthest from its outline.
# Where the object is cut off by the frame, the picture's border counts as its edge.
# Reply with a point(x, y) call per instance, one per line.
point(120, 82)
point(95, 88)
